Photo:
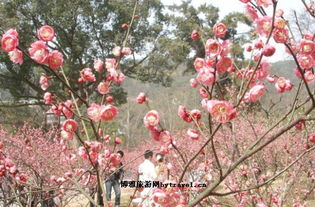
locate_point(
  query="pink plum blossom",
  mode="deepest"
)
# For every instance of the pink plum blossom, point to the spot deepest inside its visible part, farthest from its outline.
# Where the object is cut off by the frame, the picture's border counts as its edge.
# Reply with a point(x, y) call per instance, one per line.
point(87, 75)
point(219, 29)
point(94, 112)
point(98, 65)
point(103, 88)
point(55, 59)
point(39, 52)
point(109, 112)
point(221, 111)
point(70, 125)
point(9, 40)
point(151, 119)
point(206, 76)
point(46, 33)
point(141, 98)
point(16, 56)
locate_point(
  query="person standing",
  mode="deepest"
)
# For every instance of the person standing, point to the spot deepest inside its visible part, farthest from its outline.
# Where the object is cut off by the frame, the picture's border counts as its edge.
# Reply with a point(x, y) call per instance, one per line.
point(147, 173)
point(161, 169)
point(114, 181)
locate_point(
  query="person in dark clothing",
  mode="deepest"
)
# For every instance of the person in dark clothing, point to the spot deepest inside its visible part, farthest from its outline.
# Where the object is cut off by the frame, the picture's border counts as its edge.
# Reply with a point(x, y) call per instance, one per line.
point(113, 182)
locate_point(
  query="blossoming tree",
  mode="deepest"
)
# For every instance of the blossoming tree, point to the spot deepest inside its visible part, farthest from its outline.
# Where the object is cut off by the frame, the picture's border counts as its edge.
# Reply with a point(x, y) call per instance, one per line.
point(231, 165)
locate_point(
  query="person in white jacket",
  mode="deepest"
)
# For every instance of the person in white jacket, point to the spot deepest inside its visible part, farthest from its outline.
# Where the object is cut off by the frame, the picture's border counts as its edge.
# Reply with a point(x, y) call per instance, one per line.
point(147, 173)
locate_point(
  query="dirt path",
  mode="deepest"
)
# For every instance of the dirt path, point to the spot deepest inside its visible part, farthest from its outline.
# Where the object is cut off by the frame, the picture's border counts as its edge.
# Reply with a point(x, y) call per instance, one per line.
point(81, 201)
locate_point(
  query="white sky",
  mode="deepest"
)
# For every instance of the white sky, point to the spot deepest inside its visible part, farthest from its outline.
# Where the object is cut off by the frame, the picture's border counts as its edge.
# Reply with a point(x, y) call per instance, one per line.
point(227, 6)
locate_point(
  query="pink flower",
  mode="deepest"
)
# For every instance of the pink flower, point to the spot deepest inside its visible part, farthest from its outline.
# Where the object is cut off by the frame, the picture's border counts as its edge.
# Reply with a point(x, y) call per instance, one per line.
point(251, 12)
point(87, 75)
point(308, 35)
point(312, 137)
point(83, 153)
point(9, 40)
point(43, 81)
point(126, 51)
point(306, 61)
point(68, 109)
point(12, 32)
point(264, 25)
point(70, 125)
point(109, 112)
point(245, 1)
point(203, 93)
point(279, 13)
point(117, 51)
point(151, 119)
point(213, 48)
point(46, 33)
point(16, 56)
point(223, 64)
point(110, 63)
point(309, 76)
point(299, 125)
point(48, 98)
point(221, 111)
point(219, 29)
point(256, 92)
point(199, 63)
point(109, 99)
point(141, 98)
point(283, 84)
point(307, 47)
point(117, 140)
point(258, 44)
point(120, 78)
point(94, 112)
point(194, 35)
point(193, 83)
point(103, 88)
point(165, 137)
point(155, 133)
point(184, 114)
point(206, 76)
point(264, 3)
point(193, 134)
point(57, 109)
point(268, 50)
point(55, 59)
point(39, 52)
point(98, 65)
point(195, 114)
point(271, 79)
point(281, 35)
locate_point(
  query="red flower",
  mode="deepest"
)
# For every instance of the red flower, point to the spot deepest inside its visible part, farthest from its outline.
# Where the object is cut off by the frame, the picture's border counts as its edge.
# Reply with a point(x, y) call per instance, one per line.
point(268, 50)
point(194, 35)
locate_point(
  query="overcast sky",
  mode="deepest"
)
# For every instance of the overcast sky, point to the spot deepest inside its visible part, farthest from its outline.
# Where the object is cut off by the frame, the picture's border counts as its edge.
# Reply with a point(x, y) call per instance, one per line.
point(227, 6)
